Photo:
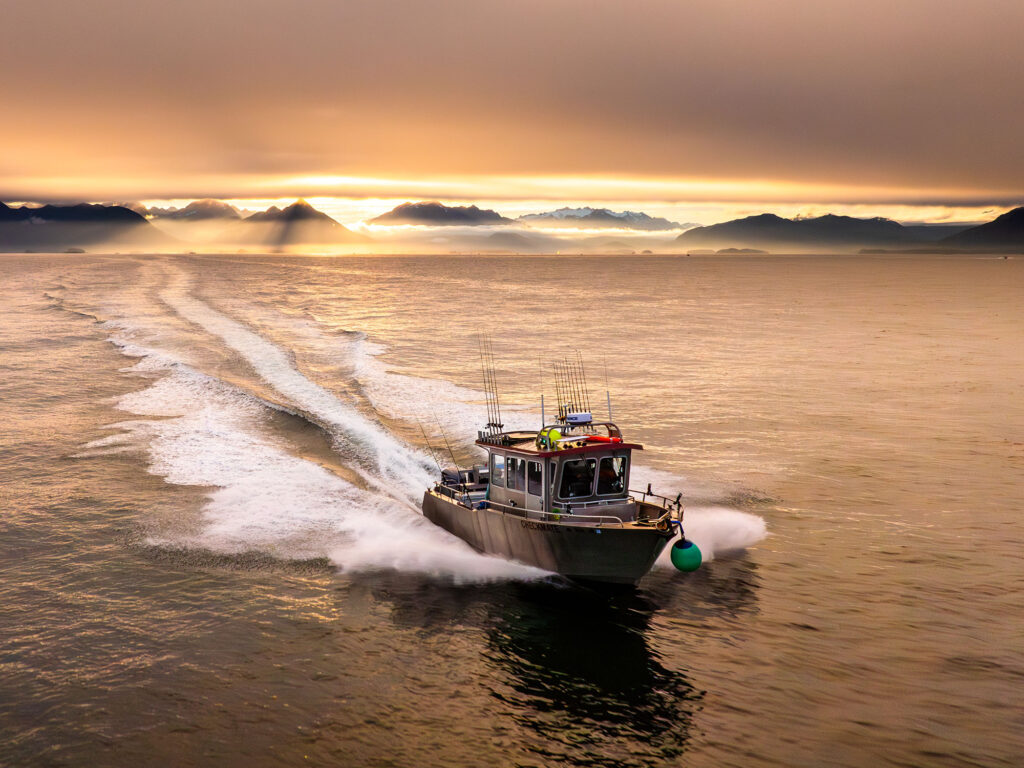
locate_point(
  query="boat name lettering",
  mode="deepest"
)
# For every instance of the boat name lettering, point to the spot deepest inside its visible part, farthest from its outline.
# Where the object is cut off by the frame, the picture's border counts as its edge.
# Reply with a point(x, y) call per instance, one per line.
point(538, 526)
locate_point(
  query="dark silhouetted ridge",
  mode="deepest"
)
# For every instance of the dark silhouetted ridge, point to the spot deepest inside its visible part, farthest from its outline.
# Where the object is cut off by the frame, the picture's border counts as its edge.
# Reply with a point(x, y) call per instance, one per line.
point(52, 227)
point(1002, 233)
point(436, 214)
point(299, 223)
point(767, 230)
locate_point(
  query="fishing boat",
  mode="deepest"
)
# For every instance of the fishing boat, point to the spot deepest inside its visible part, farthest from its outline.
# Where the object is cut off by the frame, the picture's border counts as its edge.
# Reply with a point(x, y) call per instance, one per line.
point(558, 498)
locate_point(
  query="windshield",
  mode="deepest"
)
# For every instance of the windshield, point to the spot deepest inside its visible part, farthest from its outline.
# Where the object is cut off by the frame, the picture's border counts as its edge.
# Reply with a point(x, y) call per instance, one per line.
point(577, 478)
point(612, 477)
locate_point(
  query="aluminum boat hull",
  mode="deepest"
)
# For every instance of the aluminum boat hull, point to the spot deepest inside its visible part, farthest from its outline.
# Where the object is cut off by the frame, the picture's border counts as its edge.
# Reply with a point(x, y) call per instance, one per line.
point(583, 552)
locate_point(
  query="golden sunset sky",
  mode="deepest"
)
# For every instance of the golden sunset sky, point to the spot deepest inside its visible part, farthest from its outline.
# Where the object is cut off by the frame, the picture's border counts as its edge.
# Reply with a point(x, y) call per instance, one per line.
point(695, 110)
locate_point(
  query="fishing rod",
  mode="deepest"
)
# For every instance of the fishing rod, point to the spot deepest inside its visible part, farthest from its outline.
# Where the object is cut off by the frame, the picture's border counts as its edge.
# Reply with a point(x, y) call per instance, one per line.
point(431, 449)
point(450, 452)
point(607, 389)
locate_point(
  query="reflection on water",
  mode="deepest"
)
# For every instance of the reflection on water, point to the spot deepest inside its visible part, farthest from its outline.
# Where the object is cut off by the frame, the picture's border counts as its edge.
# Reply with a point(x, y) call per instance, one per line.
point(724, 588)
point(572, 670)
point(579, 671)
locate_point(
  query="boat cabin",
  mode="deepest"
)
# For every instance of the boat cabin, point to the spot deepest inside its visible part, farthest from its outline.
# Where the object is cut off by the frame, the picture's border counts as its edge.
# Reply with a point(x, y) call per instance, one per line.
point(563, 469)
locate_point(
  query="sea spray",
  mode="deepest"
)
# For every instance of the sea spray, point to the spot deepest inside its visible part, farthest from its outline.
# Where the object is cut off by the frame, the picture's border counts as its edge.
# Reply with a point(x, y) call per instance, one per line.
point(719, 530)
point(199, 431)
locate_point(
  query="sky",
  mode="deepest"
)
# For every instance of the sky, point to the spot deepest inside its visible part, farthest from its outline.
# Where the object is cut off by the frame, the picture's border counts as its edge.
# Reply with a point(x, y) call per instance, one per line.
point(697, 110)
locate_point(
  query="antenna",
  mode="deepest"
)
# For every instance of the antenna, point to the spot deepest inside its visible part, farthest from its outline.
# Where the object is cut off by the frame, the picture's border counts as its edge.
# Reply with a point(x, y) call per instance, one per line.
point(494, 423)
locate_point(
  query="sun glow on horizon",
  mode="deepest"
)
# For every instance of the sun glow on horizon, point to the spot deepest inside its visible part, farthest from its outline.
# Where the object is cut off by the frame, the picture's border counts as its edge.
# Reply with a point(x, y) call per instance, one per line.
point(356, 213)
point(355, 199)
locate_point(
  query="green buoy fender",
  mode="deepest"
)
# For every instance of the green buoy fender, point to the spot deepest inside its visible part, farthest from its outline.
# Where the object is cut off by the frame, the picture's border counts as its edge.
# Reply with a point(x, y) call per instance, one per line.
point(685, 555)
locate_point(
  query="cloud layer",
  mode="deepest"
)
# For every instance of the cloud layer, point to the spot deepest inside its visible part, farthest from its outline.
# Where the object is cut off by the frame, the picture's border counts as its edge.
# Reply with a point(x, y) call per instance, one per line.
point(194, 98)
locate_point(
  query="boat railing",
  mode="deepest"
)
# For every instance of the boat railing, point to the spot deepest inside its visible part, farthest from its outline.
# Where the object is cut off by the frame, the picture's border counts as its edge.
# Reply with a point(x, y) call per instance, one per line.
point(460, 493)
point(666, 503)
point(565, 518)
point(568, 506)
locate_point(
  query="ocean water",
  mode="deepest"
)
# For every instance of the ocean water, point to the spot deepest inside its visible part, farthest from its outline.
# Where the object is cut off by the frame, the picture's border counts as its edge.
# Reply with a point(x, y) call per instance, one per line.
point(212, 552)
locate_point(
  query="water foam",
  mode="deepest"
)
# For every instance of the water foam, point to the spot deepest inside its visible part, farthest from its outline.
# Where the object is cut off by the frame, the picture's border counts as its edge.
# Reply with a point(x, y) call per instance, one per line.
point(717, 530)
point(199, 431)
point(387, 462)
point(722, 530)
point(436, 404)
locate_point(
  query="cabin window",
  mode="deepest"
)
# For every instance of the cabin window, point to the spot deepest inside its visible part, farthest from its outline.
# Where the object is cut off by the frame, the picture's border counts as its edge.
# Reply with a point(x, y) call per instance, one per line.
point(516, 477)
point(497, 469)
point(611, 479)
point(577, 478)
point(535, 479)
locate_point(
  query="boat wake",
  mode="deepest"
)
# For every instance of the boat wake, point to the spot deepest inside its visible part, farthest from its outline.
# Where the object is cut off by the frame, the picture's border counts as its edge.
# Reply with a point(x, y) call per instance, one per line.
point(197, 428)
point(383, 460)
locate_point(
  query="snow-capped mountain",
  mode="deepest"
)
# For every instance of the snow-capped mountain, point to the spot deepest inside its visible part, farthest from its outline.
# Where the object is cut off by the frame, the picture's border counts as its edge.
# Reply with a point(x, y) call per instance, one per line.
point(586, 218)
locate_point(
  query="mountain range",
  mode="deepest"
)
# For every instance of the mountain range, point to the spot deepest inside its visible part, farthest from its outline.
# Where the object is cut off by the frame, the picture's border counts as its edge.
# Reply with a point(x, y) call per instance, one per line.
point(438, 215)
point(595, 218)
point(845, 233)
point(213, 222)
point(59, 227)
point(203, 222)
point(198, 210)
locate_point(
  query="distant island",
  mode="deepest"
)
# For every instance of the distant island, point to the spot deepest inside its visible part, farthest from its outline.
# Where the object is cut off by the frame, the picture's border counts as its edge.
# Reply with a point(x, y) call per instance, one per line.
point(594, 218)
point(848, 234)
point(513, 241)
point(436, 214)
point(770, 231)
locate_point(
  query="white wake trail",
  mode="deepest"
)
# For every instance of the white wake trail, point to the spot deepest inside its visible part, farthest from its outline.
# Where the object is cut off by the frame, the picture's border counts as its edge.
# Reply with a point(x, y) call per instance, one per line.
point(396, 467)
point(200, 431)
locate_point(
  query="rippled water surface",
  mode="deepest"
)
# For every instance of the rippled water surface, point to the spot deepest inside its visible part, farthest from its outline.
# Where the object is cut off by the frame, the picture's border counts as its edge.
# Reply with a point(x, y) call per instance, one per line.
point(213, 554)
